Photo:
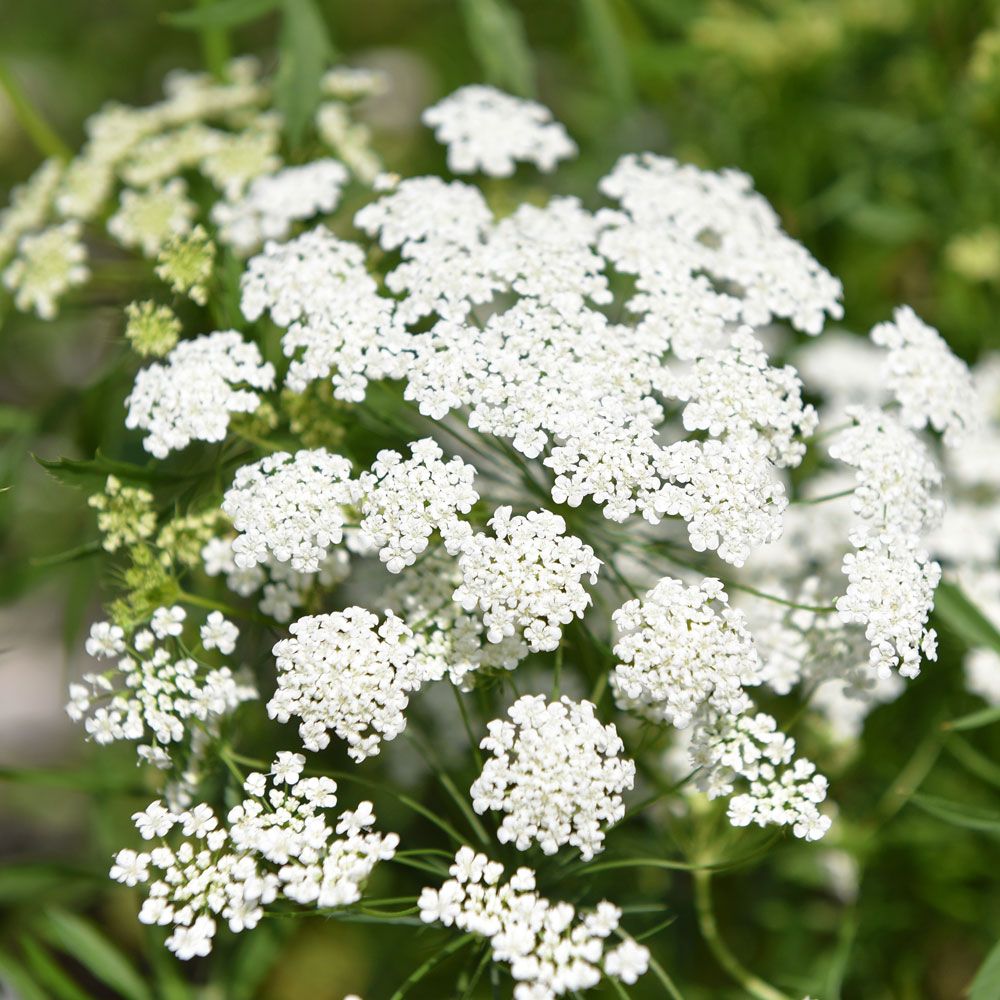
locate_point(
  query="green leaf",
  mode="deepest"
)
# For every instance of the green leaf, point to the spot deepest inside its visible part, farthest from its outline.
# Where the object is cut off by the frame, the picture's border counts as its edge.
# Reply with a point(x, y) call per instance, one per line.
point(305, 52)
point(986, 985)
point(608, 46)
point(496, 35)
point(23, 986)
point(224, 14)
point(23, 883)
point(963, 618)
point(975, 720)
point(93, 951)
point(48, 972)
point(974, 762)
point(92, 473)
point(959, 814)
point(100, 779)
point(253, 960)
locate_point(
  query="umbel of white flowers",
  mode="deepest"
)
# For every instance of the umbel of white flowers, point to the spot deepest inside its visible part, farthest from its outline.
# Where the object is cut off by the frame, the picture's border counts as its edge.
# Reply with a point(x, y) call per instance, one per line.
point(651, 402)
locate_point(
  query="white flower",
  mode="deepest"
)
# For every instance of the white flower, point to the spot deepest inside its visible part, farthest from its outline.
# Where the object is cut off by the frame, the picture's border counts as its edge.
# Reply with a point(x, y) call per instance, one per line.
point(273, 203)
point(105, 640)
point(891, 575)
point(734, 392)
point(338, 326)
point(232, 871)
point(287, 767)
point(627, 962)
point(556, 775)
point(781, 789)
point(168, 621)
point(130, 868)
point(48, 264)
point(679, 221)
point(218, 633)
point(933, 386)
point(488, 130)
point(527, 578)
point(191, 396)
point(551, 949)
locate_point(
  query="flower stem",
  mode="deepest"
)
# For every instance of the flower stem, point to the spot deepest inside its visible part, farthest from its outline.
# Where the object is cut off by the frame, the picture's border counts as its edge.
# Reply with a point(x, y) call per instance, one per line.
point(754, 985)
point(46, 141)
point(436, 959)
point(214, 46)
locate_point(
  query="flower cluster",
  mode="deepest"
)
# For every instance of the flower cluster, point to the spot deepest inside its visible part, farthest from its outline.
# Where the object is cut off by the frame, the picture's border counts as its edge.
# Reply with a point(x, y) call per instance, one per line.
point(608, 361)
point(933, 387)
point(681, 649)
point(290, 508)
point(157, 691)
point(191, 396)
point(337, 325)
point(348, 673)
point(490, 131)
point(891, 577)
point(527, 578)
point(551, 949)
point(782, 790)
point(556, 775)
point(276, 843)
point(405, 501)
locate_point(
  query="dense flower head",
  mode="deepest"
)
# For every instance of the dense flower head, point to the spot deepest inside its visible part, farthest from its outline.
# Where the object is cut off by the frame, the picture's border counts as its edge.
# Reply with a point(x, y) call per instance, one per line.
point(750, 751)
point(337, 325)
point(555, 773)
point(551, 949)
point(933, 387)
point(49, 263)
point(485, 422)
point(696, 221)
point(526, 578)
point(191, 396)
point(683, 648)
point(490, 131)
point(272, 203)
point(891, 577)
point(290, 507)
point(406, 500)
point(348, 673)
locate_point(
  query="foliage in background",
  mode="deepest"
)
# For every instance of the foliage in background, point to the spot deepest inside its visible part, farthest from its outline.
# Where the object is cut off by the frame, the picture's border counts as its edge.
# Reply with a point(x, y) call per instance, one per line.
point(874, 130)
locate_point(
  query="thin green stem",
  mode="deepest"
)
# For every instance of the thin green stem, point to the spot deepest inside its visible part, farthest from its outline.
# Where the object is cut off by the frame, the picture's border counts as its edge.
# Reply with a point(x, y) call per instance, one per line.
point(214, 46)
point(432, 963)
point(826, 497)
point(210, 604)
point(752, 983)
point(557, 672)
point(473, 742)
point(46, 141)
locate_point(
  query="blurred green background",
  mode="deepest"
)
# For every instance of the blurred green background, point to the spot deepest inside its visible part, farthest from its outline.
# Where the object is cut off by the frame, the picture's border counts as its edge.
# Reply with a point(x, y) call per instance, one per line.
point(873, 126)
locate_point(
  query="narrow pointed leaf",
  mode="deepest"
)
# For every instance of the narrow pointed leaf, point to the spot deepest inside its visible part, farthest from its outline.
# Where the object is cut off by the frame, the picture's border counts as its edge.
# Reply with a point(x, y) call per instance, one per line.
point(496, 35)
point(962, 617)
point(224, 14)
point(76, 937)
